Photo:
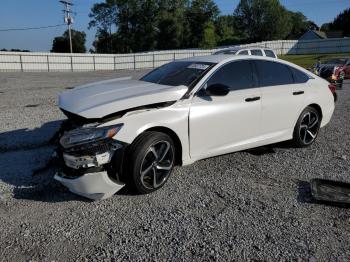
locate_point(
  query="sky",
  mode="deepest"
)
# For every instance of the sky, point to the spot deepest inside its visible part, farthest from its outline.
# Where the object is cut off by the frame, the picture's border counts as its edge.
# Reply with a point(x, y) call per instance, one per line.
point(38, 13)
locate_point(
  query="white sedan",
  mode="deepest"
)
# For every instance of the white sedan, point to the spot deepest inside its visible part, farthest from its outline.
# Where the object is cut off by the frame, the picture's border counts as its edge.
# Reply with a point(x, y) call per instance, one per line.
point(133, 132)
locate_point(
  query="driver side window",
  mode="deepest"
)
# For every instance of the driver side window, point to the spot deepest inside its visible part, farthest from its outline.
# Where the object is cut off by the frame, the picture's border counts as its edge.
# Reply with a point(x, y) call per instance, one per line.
point(235, 75)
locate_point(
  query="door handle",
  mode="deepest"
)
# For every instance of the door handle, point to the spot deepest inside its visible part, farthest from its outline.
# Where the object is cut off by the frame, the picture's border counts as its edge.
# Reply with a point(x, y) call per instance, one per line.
point(252, 99)
point(298, 93)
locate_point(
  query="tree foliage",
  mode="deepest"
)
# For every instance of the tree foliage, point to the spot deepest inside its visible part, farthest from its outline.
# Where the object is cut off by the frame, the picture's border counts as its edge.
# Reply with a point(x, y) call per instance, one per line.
point(125, 26)
point(226, 31)
point(61, 43)
point(209, 37)
point(342, 23)
point(263, 20)
point(199, 16)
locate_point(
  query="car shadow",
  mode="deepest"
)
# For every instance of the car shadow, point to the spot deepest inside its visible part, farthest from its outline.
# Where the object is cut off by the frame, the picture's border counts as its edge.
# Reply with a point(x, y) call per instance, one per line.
point(26, 166)
point(269, 149)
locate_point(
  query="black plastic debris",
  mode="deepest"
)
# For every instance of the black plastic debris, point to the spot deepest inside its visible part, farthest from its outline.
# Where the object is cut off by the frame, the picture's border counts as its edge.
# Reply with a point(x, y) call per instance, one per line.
point(330, 191)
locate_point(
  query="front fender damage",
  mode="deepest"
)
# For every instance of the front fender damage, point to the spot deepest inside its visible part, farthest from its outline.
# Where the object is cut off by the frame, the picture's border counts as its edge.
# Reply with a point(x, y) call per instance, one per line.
point(93, 170)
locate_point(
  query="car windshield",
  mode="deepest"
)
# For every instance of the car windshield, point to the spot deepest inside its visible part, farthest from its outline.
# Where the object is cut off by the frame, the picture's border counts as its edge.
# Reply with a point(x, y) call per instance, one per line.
point(336, 61)
point(178, 73)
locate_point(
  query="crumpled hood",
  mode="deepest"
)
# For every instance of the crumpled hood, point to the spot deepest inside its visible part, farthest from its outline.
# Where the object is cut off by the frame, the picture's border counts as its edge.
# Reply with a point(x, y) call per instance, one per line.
point(103, 98)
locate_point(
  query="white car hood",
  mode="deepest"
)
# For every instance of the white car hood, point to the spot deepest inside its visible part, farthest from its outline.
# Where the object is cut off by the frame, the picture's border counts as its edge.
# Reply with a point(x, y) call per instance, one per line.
point(103, 98)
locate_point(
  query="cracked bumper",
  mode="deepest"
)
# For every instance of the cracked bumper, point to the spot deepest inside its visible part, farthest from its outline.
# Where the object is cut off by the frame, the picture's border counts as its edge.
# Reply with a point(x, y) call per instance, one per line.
point(95, 186)
point(92, 171)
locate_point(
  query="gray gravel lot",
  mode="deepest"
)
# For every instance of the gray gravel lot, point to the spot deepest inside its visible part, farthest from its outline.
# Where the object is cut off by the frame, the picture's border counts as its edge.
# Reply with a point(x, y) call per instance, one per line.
point(252, 205)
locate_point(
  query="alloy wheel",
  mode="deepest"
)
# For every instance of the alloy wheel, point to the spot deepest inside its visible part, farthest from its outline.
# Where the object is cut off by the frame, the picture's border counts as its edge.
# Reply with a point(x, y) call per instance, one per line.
point(157, 165)
point(309, 127)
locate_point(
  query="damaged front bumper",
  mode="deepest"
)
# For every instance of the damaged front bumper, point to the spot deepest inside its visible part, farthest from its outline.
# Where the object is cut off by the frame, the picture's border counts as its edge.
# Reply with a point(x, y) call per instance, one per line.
point(95, 186)
point(92, 169)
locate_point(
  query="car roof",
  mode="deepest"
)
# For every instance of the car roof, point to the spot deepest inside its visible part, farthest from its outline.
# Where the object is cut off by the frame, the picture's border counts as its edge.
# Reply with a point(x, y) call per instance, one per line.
point(223, 57)
point(236, 48)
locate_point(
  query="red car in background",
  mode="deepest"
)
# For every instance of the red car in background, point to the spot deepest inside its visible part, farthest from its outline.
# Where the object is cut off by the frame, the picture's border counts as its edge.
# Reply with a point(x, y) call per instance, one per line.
point(342, 72)
point(334, 70)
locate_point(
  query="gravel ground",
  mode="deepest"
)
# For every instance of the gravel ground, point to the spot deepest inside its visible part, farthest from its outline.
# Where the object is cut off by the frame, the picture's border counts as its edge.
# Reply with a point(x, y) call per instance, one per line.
point(252, 205)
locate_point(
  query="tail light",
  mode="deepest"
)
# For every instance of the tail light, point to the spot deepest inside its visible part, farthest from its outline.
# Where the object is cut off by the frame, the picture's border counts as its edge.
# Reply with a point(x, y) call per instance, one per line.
point(332, 87)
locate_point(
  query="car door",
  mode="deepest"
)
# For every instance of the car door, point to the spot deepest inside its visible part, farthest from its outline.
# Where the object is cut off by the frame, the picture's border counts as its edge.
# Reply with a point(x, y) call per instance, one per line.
point(222, 124)
point(282, 98)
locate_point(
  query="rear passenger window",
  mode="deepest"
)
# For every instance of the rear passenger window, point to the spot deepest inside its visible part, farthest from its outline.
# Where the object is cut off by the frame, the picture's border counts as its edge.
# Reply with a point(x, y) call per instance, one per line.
point(256, 52)
point(299, 77)
point(272, 73)
point(269, 53)
point(245, 52)
point(236, 75)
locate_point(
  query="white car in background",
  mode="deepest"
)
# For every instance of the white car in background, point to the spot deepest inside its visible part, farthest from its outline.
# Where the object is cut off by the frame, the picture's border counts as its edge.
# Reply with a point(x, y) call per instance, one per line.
point(256, 51)
point(133, 132)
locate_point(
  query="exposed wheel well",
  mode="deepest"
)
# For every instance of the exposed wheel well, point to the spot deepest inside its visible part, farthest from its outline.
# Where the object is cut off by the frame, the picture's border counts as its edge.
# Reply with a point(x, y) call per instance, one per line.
point(176, 140)
point(318, 108)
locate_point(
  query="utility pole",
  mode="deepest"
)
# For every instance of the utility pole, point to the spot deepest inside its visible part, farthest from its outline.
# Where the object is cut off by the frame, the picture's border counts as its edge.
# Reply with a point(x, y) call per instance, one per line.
point(68, 19)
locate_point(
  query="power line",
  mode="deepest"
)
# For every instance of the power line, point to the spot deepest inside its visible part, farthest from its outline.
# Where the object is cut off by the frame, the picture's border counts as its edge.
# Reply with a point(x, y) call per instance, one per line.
point(29, 28)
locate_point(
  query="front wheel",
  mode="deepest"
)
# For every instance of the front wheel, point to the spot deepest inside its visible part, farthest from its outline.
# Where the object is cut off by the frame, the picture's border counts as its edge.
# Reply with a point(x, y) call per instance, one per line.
point(150, 160)
point(307, 127)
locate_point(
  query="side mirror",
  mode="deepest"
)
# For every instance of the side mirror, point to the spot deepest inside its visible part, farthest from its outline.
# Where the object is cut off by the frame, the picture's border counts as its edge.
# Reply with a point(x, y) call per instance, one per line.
point(217, 90)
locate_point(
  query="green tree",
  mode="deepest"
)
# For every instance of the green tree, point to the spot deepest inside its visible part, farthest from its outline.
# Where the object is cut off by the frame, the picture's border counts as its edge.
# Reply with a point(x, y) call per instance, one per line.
point(263, 20)
point(209, 36)
point(171, 24)
point(226, 30)
point(102, 17)
point(299, 25)
point(61, 43)
point(145, 31)
point(170, 32)
point(198, 15)
point(325, 27)
point(342, 23)
point(104, 43)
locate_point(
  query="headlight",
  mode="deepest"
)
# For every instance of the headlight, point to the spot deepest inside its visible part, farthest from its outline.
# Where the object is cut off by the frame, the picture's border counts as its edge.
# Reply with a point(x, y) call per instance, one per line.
point(87, 135)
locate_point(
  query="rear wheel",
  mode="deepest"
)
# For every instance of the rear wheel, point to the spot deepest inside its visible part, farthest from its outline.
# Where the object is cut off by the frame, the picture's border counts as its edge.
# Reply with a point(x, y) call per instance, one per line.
point(150, 161)
point(307, 127)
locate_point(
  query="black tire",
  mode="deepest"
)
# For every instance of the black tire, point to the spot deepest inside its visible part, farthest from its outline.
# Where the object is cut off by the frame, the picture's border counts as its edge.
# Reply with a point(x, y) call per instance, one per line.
point(306, 129)
point(141, 155)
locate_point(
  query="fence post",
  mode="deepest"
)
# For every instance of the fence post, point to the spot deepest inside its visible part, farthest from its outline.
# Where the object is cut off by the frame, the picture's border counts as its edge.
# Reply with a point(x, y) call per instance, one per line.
point(297, 48)
point(71, 63)
point(153, 59)
point(20, 60)
point(93, 59)
point(134, 62)
point(48, 63)
point(174, 56)
point(115, 63)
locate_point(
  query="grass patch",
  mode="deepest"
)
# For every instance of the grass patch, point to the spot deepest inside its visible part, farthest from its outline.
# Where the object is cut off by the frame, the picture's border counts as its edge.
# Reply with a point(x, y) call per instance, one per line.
point(307, 61)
